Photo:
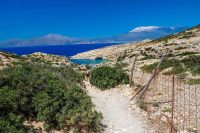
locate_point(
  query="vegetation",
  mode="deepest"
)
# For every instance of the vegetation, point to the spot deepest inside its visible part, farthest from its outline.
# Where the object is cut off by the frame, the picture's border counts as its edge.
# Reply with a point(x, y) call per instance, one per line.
point(187, 35)
point(184, 34)
point(194, 81)
point(107, 77)
point(170, 44)
point(52, 95)
point(10, 55)
point(191, 64)
point(167, 109)
point(180, 48)
point(125, 54)
point(186, 53)
point(146, 56)
point(121, 57)
point(166, 64)
point(142, 104)
point(39, 60)
point(165, 38)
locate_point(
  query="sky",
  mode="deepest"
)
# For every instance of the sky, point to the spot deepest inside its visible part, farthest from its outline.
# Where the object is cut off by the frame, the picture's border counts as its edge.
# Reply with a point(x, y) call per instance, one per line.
point(22, 19)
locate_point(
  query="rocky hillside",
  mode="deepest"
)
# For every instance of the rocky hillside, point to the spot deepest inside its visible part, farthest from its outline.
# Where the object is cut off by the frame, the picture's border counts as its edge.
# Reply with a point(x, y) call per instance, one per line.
point(185, 46)
point(184, 41)
point(54, 60)
point(110, 52)
point(181, 42)
point(7, 59)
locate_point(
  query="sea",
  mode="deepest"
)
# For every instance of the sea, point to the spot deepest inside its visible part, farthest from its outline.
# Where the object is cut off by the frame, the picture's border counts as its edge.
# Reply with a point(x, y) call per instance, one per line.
point(63, 50)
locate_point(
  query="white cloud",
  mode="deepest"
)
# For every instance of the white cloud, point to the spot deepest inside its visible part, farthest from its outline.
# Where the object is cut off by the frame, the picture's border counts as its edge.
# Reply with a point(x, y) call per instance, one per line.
point(145, 28)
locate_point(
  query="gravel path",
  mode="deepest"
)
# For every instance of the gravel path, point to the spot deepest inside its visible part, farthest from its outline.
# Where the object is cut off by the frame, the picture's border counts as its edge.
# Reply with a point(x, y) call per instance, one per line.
point(119, 117)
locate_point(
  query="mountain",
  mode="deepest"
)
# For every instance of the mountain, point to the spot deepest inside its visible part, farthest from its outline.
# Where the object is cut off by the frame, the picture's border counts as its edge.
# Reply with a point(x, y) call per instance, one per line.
point(137, 34)
point(50, 39)
point(148, 32)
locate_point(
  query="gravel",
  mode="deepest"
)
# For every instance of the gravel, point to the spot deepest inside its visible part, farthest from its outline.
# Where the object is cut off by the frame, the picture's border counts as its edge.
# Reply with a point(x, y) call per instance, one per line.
point(119, 116)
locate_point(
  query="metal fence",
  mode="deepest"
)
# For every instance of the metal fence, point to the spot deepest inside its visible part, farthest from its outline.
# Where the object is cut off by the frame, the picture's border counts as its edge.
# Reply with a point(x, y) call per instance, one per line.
point(185, 99)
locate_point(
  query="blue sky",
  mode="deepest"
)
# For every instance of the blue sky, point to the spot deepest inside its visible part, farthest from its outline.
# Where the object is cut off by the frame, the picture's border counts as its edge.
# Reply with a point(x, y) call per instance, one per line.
point(91, 18)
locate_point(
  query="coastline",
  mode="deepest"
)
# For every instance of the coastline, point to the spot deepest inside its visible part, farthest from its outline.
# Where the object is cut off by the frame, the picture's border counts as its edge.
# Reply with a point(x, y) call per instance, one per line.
point(108, 52)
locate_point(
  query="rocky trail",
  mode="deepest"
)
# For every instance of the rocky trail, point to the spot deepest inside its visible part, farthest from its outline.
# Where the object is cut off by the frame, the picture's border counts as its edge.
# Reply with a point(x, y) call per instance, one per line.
point(118, 114)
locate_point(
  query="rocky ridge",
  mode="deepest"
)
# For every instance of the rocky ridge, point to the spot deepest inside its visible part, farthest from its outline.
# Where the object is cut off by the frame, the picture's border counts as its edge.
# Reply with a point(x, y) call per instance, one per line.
point(186, 41)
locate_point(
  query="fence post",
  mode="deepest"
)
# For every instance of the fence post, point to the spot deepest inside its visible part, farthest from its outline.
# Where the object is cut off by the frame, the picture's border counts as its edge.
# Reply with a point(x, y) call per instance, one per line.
point(131, 83)
point(173, 90)
point(196, 108)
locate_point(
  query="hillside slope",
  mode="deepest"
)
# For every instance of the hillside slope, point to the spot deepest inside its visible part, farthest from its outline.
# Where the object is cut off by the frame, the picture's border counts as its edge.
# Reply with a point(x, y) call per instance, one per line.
point(6, 59)
point(185, 45)
point(184, 41)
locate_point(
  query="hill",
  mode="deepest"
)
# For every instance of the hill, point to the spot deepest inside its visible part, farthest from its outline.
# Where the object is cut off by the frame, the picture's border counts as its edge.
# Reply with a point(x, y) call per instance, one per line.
point(6, 59)
point(183, 44)
point(137, 34)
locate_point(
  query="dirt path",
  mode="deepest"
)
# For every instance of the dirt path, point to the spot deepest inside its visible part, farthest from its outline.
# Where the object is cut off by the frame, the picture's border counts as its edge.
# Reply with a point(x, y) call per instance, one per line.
point(119, 117)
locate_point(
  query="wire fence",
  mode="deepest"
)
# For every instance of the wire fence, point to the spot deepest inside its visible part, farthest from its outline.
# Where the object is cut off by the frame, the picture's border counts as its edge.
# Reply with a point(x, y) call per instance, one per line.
point(186, 108)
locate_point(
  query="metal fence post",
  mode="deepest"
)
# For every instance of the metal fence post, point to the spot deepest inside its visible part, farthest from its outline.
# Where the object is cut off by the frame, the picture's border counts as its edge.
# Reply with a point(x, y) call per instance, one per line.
point(172, 114)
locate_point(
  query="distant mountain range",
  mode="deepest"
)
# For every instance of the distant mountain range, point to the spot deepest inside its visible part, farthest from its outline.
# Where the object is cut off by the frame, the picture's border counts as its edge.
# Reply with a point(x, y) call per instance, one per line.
point(137, 34)
point(148, 32)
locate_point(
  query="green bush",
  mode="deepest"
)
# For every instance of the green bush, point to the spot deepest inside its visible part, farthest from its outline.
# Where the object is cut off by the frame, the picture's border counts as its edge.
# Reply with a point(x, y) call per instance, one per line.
point(107, 77)
point(32, 91)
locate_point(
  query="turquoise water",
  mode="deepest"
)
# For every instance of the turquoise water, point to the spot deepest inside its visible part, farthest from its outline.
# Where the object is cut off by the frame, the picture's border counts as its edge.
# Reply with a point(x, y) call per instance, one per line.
point(88, 61)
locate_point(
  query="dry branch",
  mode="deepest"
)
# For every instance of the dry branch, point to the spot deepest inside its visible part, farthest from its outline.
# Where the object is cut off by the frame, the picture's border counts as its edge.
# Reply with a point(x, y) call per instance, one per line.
point(146, 86)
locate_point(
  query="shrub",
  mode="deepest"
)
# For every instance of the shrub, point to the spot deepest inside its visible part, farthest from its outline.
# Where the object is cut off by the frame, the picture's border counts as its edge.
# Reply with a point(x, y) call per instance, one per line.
point(10, 55)
point(194, 81)
point(146, 56)
point(122, 57)
point(170, 44)
point(180, 48)
point(149, 68)
point(186, 53)
point(164, 65)
point(47, 94)
point(142, 104)
point(191, 64)
point(107, 77)
point(167, 109)
point(187, 35)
